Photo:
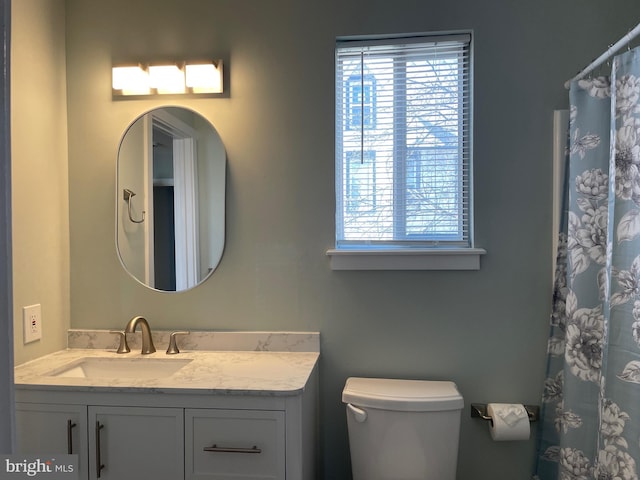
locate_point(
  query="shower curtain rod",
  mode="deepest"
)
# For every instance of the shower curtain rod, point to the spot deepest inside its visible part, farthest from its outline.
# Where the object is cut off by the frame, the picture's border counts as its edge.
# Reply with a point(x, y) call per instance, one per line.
point(606, 55)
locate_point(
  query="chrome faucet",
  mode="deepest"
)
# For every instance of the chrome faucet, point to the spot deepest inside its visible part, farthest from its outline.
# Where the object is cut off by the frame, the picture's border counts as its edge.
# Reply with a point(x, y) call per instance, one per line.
point(147, 341)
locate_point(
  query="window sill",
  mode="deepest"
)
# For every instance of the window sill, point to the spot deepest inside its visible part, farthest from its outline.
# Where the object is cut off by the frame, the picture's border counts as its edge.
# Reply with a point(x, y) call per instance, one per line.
point(409, 259)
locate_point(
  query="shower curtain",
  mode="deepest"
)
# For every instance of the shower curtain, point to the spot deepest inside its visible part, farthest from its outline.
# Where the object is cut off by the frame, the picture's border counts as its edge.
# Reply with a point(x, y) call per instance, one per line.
point(590, 416)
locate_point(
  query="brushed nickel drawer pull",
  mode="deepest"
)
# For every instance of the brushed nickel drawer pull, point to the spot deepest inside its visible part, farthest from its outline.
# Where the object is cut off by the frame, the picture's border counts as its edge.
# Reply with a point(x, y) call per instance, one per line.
point(99, 464)
point(70, 426)
point(218, 449)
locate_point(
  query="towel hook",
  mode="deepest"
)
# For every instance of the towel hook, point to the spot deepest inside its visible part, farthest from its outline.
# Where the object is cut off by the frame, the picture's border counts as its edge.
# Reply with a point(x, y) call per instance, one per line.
point(127, 198)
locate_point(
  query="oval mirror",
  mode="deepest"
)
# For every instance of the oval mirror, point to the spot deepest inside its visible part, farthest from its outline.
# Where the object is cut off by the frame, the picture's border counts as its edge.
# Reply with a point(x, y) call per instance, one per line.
point(170, 199)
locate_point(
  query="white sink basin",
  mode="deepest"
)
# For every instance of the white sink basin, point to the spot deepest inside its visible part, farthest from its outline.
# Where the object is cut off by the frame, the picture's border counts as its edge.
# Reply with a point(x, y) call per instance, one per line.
point(142, 368)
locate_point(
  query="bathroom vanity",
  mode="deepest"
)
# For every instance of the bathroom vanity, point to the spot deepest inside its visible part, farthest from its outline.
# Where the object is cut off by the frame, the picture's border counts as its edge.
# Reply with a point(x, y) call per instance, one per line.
point(200, 414)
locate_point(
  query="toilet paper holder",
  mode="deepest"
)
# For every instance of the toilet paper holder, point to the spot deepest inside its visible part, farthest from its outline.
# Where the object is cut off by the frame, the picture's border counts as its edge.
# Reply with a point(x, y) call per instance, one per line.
point(479, 410)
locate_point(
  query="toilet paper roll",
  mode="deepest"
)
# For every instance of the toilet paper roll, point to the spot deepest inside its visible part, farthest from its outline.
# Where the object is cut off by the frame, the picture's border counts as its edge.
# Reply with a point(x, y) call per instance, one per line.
point(510, 421)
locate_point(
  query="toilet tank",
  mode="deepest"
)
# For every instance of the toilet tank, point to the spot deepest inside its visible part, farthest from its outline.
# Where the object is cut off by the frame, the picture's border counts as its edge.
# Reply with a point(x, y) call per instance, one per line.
point(402, 429)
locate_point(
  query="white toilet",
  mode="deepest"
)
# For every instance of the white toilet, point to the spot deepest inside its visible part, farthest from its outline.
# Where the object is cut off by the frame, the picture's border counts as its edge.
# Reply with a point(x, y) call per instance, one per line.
point(402, 429)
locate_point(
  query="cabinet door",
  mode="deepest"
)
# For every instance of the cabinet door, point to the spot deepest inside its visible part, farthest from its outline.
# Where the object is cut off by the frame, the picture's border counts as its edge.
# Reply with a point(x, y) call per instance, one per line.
point(48, 428)
point(130, 443)
point(234, 445)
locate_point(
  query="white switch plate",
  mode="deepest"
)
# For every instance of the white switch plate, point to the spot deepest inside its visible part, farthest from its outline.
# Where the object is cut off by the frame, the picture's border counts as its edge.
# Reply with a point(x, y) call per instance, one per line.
point(32, 317)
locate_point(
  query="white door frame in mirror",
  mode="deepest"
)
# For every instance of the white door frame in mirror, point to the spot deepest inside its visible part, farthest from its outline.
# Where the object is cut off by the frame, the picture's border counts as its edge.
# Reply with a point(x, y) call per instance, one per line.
point(174, 159)
point(185, 186)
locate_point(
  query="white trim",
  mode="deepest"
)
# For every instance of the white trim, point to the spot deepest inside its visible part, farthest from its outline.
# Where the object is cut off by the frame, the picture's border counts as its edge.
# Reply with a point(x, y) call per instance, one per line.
point(172, 125)
point(149, 239)
point(185, 196)
point(407, 259)
point(390, 213)
point(387, 40)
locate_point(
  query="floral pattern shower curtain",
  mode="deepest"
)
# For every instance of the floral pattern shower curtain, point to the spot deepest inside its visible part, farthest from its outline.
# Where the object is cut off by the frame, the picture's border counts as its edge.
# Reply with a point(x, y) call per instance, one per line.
point(590, 418)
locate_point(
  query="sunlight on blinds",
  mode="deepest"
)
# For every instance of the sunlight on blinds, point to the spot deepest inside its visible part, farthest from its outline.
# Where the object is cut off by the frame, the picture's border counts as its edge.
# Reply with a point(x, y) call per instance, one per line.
point(403, 143)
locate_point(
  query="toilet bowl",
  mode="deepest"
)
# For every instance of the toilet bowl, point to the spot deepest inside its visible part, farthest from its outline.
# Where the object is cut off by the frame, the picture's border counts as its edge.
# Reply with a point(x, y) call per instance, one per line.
point(402, 429)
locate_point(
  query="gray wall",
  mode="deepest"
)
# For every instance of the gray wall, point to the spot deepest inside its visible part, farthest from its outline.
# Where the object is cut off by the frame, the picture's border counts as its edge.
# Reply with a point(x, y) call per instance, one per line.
point(39, 173)
point(485, 330)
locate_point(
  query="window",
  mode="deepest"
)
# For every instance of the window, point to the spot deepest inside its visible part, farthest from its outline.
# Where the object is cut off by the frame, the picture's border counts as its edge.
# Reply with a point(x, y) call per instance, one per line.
point(403, 143)
point(361, 182)
point(361, 102)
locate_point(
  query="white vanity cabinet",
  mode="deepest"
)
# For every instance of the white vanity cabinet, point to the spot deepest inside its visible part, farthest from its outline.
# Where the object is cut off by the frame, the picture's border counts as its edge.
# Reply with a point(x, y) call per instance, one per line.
point(239, 444)
point(49, 428)
point(240, 405)
point(135, 442)
point(167, 436)
point(111, 442)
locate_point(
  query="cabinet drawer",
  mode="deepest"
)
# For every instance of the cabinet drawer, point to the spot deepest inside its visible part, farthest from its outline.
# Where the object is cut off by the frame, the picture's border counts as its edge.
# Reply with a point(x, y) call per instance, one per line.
point(234, 444)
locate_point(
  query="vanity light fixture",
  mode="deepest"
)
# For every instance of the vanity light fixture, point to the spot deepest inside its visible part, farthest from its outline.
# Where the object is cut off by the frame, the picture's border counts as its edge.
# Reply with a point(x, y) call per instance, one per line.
point(196, 77)
point(130, 80)
point(166, 79)
point(204, 77)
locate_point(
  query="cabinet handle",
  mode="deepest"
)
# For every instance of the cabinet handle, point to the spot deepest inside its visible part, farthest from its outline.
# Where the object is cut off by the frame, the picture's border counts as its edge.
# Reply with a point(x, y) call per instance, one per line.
point(217, 449)
point(99, 465)
point(70, 426)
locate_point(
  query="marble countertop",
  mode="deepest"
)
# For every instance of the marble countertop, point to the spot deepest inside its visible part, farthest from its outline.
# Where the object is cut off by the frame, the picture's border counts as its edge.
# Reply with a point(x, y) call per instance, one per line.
point(257, 372)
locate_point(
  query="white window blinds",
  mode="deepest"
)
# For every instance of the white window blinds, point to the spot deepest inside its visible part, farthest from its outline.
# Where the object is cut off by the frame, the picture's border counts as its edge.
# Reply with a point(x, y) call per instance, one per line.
point(403, 146)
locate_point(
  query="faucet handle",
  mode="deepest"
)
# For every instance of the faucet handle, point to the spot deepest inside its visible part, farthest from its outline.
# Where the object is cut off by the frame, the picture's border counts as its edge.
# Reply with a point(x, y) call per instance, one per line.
point(123, 347)
point(173, 346)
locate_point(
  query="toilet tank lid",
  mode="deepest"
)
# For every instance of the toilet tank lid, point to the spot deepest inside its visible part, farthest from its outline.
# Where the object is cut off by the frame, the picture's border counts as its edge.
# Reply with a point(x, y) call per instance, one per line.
point(402, 395)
